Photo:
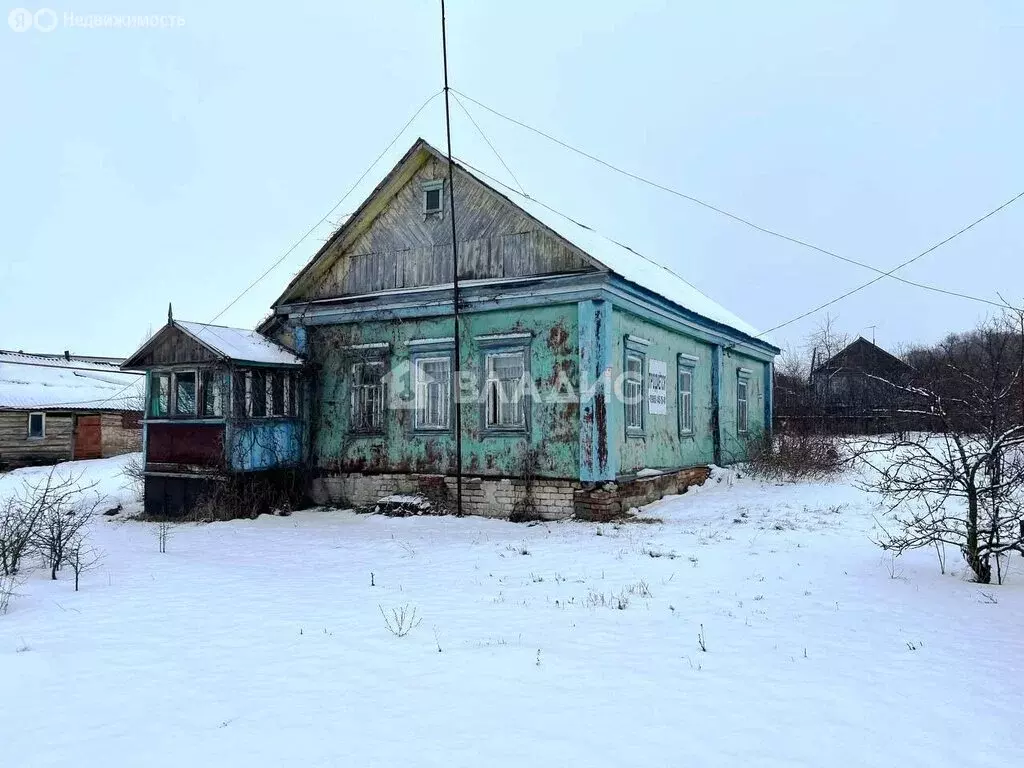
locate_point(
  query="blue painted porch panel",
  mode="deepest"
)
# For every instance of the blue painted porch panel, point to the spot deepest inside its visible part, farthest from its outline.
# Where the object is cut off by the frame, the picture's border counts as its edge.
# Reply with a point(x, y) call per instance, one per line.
point(253, 446)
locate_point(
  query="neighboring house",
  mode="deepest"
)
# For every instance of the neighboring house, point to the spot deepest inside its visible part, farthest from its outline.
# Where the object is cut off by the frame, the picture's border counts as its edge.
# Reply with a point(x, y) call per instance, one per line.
point(222, 403)
point(853, 390)
point(549, 310)
point(61, 407)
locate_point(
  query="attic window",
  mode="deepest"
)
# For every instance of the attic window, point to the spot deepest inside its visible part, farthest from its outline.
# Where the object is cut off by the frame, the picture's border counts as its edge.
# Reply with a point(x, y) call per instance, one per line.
point(432, 197)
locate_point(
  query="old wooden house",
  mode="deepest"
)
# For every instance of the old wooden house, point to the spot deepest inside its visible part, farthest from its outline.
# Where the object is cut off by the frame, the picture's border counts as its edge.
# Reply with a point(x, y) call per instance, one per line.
point(589, 378)
point(61, 407)
point(222, 412)
point(853, 391)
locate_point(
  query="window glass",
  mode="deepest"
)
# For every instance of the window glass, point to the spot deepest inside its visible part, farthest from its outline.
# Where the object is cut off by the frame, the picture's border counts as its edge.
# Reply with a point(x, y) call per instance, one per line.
point(432, 198)
point(160, 394)
point(290, 395)
point(633, 392)
point(741, 405)
point(367, 406)
point(277, 393)
point(214, 393)
point(685, 400)
point(505, 406)
point(433, 383)
point(257, 387)
point(36, 425)
point(185, 393)
point(240, 390)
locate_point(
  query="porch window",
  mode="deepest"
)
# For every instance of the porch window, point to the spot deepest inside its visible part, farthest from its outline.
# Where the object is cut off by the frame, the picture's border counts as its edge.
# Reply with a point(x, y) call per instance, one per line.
point(185, 393)
point(433, 384)
point(505, 405)
point(256, 393)
point(367, 404)
point(214, 392)
point(685, 400)
point(741, 405)
point(290, 398)
point(277, 400)
point(633, 392)
point(37, 425)
point(160, 395)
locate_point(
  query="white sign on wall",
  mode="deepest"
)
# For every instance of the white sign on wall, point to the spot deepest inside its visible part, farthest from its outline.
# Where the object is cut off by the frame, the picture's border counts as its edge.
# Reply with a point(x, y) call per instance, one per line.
point(657, 387)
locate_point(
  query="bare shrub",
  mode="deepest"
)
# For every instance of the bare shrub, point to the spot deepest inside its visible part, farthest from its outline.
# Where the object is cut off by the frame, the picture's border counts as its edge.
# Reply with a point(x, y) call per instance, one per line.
point(43, 517)
point(18, 520)
point(525, 508)
point(402, 620)
point(64, 514)
point(135, 476)
point(8, 584)
point(794, 456)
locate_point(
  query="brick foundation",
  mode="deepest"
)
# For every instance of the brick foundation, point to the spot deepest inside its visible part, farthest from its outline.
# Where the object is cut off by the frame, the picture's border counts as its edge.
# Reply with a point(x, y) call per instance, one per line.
point(493, 497)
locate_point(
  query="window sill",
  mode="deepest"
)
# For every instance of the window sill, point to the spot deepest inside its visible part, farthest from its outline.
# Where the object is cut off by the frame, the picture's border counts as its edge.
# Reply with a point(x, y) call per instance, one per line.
point(635, 435)
point(504, 432)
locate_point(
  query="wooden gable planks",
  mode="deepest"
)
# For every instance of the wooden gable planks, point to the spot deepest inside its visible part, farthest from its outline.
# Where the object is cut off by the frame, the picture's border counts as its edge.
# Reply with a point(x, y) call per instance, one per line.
point(404, 248)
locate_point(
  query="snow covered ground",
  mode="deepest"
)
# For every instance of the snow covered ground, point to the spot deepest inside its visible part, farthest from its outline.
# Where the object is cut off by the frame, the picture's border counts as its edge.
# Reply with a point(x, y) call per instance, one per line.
point(262, 643)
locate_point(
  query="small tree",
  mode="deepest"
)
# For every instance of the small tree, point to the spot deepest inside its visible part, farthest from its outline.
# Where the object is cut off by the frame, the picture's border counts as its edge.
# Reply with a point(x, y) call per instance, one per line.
point(962, 485)
point(64, 512)
point(80, 557)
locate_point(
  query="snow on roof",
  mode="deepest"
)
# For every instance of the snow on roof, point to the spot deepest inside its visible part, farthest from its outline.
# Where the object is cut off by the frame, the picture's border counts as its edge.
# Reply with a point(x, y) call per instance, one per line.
point(627, 263)
point(240, 344)
point(29, 381)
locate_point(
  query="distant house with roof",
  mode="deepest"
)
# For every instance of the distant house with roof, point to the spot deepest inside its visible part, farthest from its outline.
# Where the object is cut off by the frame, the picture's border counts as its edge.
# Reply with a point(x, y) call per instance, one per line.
point(853, 391)
point(61, 407)
point(591, 379)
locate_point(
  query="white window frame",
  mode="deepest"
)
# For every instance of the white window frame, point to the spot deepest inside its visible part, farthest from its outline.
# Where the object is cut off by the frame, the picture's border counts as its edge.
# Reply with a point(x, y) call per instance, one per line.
point(742, 404)
point(684, 395)
point(492, 391)
point(28, 427)
point(633, 405)
point(355, 399)
point(431, 186)
point(420, 390)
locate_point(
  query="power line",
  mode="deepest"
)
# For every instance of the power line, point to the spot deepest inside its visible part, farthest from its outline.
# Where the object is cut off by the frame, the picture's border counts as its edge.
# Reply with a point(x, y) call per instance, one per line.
point(956, 234)
point(333, 209)
point(582, 225)
point(291, 250)
point(722, 211)
point(491, 145)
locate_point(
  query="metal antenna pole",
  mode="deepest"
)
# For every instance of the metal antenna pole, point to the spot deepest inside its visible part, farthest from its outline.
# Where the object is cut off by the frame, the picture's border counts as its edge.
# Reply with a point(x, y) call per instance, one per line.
point(455, 274)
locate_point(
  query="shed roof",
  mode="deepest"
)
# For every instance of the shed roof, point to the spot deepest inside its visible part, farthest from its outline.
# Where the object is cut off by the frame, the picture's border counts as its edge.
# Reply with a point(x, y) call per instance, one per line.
point(239, 345)
point(55, 382)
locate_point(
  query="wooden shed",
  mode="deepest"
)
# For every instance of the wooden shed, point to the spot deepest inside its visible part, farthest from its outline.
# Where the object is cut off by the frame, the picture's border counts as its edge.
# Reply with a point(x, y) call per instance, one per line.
point(61, 407)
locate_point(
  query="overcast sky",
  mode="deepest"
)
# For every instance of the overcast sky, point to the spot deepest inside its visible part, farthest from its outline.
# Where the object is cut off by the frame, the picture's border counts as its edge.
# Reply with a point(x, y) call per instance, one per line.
point(144, 166)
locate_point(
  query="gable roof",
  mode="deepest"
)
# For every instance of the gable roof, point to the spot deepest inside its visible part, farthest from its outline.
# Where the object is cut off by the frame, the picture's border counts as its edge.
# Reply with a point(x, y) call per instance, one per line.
point(604, 253)
point(238, 345)
point(55, 382)
point(863, 355)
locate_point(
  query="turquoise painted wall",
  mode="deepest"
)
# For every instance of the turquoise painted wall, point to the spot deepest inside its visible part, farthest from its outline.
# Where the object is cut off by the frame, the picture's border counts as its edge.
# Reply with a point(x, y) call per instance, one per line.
point(661, 445)
point(734, 443)
point(554, 427)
